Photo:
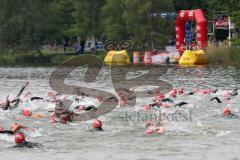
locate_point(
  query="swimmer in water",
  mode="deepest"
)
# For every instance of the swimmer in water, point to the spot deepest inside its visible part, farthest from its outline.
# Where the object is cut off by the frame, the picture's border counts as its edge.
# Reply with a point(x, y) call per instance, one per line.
point(7, 104)
point(97, 125)
point(15, 128)
point(151, 129)
point(122, 102)
point(214, 91)
point(28, 113)
point(158, 128)
point(194, 91)
point(233, 93)
point(173, 93)
point(228, 113)
point(227, 96)
point(21, 142)
point(62, 113)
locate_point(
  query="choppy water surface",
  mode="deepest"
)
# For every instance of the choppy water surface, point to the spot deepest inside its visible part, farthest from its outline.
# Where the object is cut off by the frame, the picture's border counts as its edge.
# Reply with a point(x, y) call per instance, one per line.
point(207, 136)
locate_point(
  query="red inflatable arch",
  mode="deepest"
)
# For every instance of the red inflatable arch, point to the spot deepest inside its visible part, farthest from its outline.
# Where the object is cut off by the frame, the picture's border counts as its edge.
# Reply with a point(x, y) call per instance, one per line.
point(201, 24)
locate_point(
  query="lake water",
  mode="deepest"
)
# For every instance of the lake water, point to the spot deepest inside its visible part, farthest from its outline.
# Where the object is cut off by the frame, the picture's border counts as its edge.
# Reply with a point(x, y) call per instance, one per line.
point(206, 136)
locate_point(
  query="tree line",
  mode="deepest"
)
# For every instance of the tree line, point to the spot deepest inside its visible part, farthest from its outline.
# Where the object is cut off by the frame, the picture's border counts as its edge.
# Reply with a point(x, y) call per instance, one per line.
point(26, 25)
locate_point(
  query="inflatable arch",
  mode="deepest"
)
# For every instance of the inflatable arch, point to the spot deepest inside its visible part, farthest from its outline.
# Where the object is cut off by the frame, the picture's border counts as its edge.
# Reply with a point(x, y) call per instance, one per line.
point(201, 25)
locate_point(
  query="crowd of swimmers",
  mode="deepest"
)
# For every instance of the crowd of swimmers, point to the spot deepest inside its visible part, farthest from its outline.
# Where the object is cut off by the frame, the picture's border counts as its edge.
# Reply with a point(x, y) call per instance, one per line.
point(60, 114)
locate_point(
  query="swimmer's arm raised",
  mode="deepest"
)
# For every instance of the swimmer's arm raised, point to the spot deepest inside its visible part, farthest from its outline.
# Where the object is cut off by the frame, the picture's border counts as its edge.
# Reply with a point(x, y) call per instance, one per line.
point(19, 126)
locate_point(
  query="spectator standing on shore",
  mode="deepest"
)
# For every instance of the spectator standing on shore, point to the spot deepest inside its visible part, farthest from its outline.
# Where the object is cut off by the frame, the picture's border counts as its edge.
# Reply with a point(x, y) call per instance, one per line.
point(93, 44)
point(82, 45)
point(77, 45)
point(65, 43)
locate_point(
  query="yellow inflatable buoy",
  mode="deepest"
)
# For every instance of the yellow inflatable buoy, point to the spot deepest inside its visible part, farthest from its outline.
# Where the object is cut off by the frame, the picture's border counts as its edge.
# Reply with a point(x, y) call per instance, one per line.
point(117, 57)
point(193, 58)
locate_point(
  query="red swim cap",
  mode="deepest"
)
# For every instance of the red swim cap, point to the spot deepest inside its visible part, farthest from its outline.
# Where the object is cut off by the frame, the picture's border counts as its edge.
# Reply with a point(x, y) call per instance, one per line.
point(173, 95)
point(1, 128)
point(165, 105)
point(174, 91)
point(149, 131)
point(205, 91)
point(227, 112)
point(27, 112)
point(97, 124)
point(53, 119)
point(181, 91)
point(20, 137)
point(161, 96)
point(147, 108)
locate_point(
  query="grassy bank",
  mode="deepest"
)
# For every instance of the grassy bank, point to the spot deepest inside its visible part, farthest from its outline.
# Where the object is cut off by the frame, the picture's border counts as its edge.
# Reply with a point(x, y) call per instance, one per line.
point(224, 56)
point(46, 58)
point(216, 56)
point(35, 59)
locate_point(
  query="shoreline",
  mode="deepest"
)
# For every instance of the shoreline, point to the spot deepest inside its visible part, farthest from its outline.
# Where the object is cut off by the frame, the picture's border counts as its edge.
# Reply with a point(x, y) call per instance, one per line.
point(223, 56)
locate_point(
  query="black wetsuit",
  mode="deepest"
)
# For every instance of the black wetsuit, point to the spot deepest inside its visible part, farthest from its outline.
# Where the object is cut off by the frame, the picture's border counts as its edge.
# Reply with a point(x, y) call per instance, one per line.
point(99, 129)
point(181, 104)
point(217, 99)
point(36, 98)
point(234, 93)
point(28, 145)
point(191, 93)
point(7, 132)
point(232, 116)
point(167, 100)
point(215, 91)
point(154, 105)
point(88, 108)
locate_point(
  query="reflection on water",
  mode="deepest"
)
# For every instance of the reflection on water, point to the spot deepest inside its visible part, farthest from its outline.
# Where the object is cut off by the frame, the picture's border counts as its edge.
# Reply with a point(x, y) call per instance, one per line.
point(205, 137)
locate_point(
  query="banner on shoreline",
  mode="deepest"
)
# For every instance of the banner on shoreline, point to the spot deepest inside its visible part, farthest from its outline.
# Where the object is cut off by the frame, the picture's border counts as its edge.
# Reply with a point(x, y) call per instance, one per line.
point(223, 24)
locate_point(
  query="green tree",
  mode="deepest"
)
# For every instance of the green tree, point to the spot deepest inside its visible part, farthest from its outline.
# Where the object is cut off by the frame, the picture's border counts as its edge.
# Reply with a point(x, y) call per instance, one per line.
point(24, 24)
point(113, 22)
point(142, 25)
point(88, 17)
point(63, 17)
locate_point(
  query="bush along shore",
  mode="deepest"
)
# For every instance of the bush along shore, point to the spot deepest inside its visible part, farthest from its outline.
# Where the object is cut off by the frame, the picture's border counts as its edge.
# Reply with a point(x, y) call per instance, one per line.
point(227, 56)
point(36, 59)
